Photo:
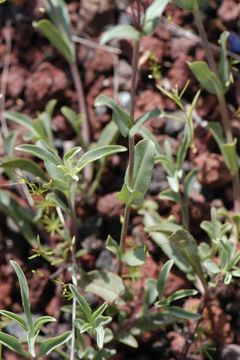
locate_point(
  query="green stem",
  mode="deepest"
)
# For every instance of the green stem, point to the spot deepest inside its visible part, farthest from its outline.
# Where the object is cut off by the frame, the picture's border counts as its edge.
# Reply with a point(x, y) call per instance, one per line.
point(131, 143)
point(222, 103)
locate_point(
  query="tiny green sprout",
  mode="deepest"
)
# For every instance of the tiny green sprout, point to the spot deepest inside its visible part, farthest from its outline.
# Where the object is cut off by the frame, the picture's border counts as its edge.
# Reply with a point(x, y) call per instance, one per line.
point(52, 224)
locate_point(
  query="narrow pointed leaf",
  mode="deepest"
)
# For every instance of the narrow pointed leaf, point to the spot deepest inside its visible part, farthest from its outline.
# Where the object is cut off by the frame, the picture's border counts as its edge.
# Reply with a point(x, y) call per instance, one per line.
point(120, 117)
point(143, 166)
point(42, 321)
point(15, 317)
point(25, 165)
point(142, 120)
point(187, 245)
point(51, 344)
point(85, 308)
point(207, 78)
point(13, 344)
point(182, 314)
point(52, 33)
point(120, 32)
point(153, 15)
point(41, 153)
point(98, 153)
point(161, 282)
point(24, 293)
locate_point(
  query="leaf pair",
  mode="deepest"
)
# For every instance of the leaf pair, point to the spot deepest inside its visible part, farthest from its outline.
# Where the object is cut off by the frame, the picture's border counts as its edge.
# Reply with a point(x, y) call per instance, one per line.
point(150, 21)
point(31, 327)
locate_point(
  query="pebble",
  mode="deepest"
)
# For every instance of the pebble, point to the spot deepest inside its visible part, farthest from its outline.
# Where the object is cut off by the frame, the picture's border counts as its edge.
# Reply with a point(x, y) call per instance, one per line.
point(230, 352)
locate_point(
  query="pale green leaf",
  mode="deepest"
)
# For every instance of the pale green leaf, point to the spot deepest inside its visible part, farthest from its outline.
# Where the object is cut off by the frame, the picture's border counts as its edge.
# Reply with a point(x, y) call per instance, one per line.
point(120, 117)
point(162, 279)
point(47, 346)
point(57, 39)
point(207, 78)
point(13, 344)
point(120, 32)
point(102, 283)
point(98, 153)
point(25, 165)
point(24, 293)
point(153, 15)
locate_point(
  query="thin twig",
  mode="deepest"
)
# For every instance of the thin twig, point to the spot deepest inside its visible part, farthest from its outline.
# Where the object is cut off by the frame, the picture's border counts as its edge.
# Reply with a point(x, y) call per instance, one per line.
point(4, 79)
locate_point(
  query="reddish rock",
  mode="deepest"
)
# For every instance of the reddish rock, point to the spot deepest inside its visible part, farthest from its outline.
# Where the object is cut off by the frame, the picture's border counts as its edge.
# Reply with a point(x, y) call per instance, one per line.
point(213, 171)
point(44, 83)
point(180, 73)
point(100, 61)
point(109, 206)
point(153, 46)
point(16, 81)
point(199, 210)
point(229, 10)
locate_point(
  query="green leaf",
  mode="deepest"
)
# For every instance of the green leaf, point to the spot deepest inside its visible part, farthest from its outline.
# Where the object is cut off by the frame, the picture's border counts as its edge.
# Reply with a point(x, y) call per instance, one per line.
point(103, 283)
point(24, 293)
point(188, 182)
point(143, 166)
point(135, 257)
point(25, 165)
point(56, 38)
point(182, 314)
point(113, 246)
point(146, 134)
point(20, 215)
point(170, 195)
point(109, 134)
point(70, 154)
point(12, 316)
point(211, 267)
point(51, 344)
point(120, 32)
point(42, 153)
point(187, 245)
point(86, 309)
point(13, 344)
point(98, 153)
point(181, 294)
point(100, 310)
point(207, 78)
point(54, 198)
point(152, 218)
point(189, 4)
point(9, 142)
point(73, 118)
point(229, 151)
point(100, 336)
point(20, 119)
point(153, 15)
point(58, 13)
point(42, 320)
point(144, 118)
point(183, 148)
point(150, 292)
point(164, 227)
point(128, 196)
point(162, 279)
point(127, 339)
point(224, 68)
point(120, 117)
point(236, 273)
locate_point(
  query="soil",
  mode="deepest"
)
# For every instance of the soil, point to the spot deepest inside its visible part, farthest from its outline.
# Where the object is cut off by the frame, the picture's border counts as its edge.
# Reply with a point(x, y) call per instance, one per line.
point(37, 74)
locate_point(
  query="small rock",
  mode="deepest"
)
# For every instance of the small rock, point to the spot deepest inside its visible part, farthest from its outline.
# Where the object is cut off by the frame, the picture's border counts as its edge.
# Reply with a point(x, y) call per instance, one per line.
point(109, 206)
point(44, 83)
point(125, 99)
point(213, 171)
point(231, 352)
